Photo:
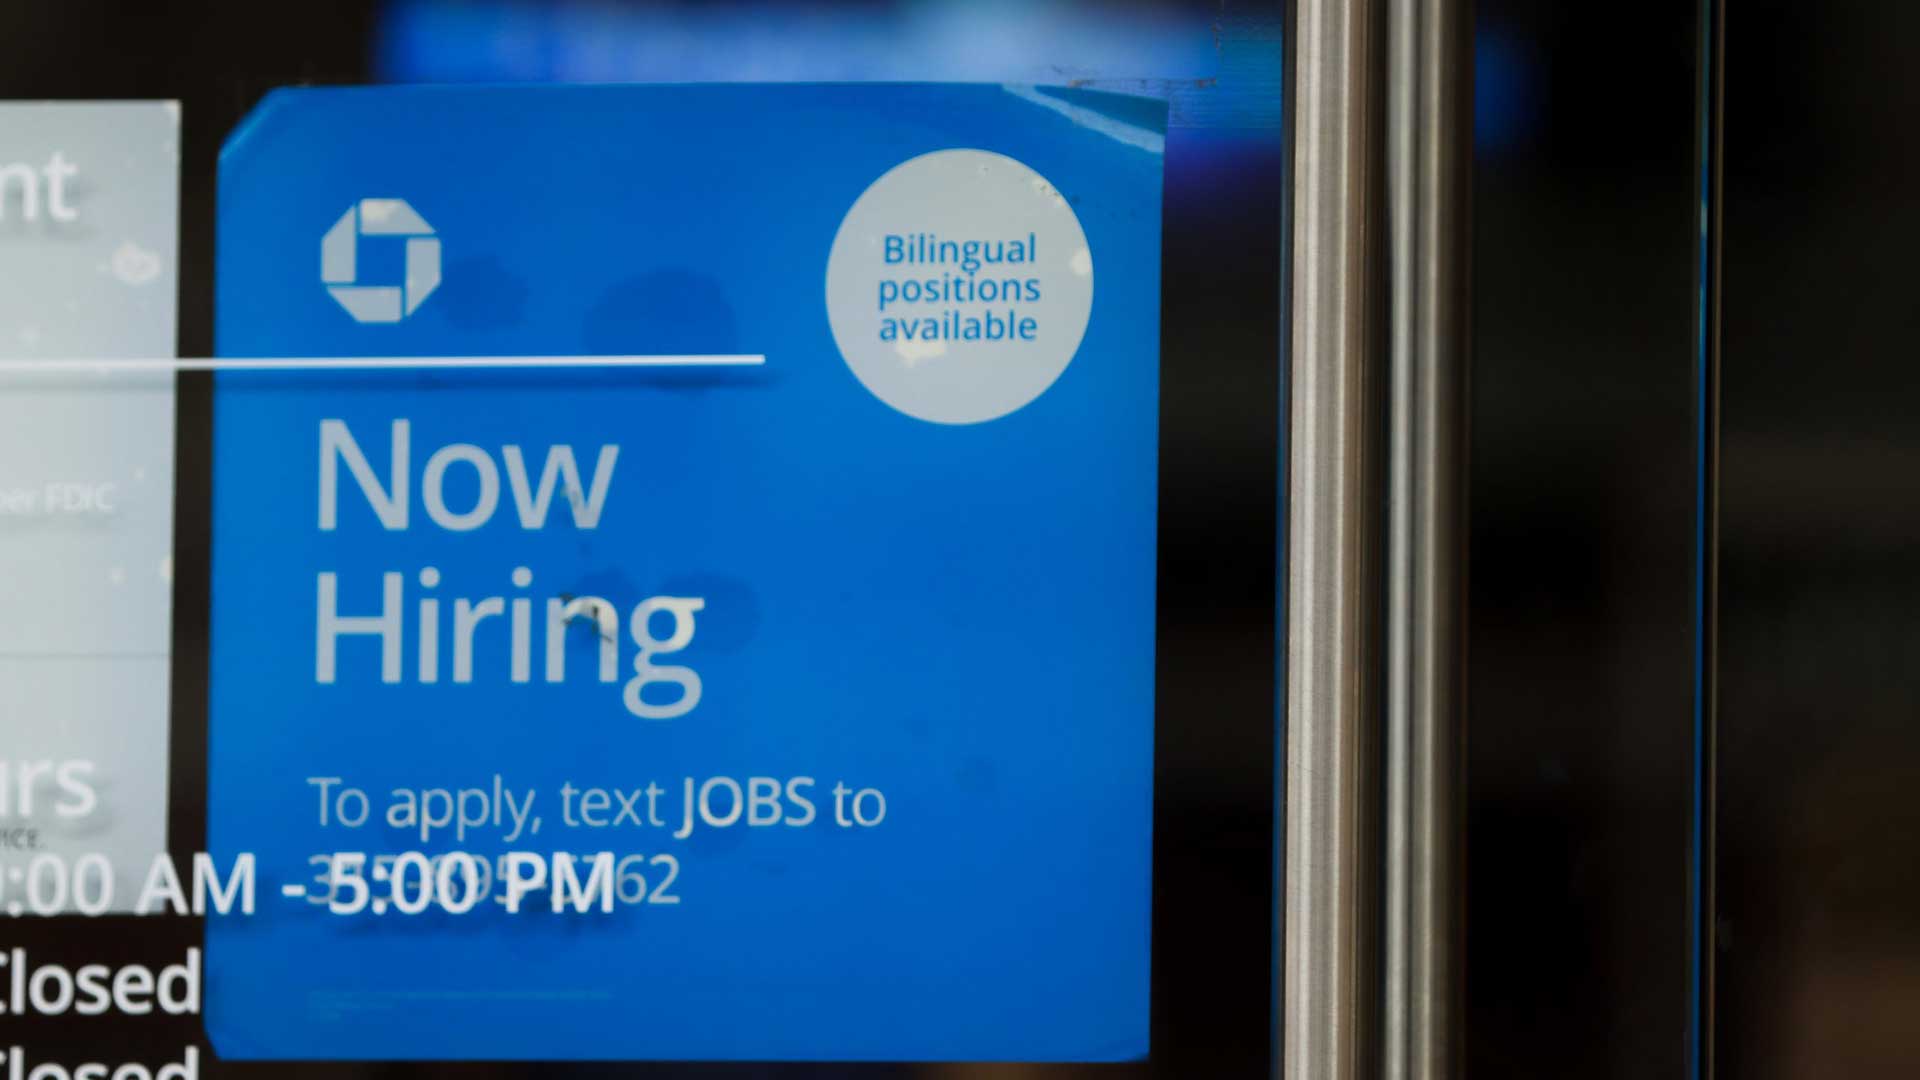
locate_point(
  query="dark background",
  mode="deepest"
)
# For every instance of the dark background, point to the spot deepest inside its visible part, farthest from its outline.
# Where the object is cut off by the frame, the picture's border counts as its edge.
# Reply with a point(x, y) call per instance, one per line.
point(1583, 512)
point(1819, 730)
point(1582, 488)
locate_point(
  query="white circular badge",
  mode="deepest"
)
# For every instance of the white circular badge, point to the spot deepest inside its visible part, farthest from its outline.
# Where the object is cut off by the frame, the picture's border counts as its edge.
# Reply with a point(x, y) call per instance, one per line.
point(959, 286)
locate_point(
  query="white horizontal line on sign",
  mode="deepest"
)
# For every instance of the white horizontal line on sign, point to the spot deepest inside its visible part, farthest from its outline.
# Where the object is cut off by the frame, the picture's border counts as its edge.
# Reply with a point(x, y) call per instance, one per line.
point(393, 363)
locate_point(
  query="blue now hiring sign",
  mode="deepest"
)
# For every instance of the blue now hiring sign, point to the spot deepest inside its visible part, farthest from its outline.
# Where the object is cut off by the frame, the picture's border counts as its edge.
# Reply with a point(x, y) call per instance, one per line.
point(836, 634)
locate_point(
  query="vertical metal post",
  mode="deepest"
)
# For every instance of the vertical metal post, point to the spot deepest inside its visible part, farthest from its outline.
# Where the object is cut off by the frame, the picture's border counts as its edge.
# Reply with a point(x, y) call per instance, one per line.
point(1379, 276)
point(1328, 993)
point(1429, 169)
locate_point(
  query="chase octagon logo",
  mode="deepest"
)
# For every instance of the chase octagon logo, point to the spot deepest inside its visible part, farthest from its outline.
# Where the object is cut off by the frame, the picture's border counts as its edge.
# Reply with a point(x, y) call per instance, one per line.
point(340, 259)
